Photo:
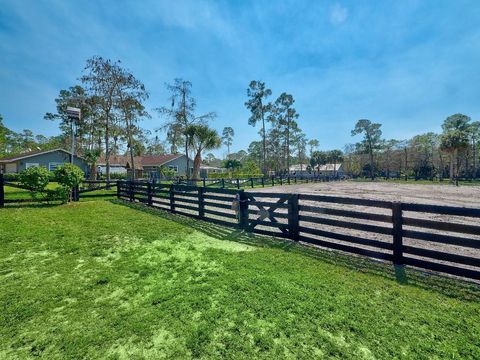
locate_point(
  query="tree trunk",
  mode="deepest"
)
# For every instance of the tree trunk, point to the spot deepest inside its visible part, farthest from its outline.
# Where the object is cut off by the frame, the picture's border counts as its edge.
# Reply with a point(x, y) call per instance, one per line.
point(196, 165)
point(452, 160)
point(372, 172)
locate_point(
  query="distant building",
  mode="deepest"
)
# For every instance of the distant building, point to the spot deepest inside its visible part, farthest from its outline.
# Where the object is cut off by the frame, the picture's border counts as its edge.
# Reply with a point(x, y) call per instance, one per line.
point(330, 170)
point(206, 170)
point(49, 159)
point(147, 165)
point(299, 169)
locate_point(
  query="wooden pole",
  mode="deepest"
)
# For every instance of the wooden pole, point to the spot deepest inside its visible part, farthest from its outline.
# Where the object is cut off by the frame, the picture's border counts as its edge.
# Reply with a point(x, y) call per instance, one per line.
point(172, 198)
point(201, 202)
point(149, 193)
point(243, 210)
point(397, 233)
point(293, 218)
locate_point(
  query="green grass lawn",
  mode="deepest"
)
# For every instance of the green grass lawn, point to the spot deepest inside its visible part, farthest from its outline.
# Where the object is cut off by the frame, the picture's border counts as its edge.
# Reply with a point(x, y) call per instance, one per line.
point(105, 280)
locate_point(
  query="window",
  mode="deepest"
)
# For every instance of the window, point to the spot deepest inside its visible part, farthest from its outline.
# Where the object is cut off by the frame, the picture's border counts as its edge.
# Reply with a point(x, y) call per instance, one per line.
point(29, 165)
point(53, 165)
point(173, 167)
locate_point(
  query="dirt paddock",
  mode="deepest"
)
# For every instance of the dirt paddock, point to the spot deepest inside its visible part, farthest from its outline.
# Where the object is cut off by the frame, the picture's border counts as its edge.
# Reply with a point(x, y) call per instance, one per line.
point(464, 196)
point(467, 196)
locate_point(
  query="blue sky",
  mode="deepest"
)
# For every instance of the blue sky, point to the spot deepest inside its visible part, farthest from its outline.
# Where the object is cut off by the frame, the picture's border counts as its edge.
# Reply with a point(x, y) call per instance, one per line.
point(405, 64)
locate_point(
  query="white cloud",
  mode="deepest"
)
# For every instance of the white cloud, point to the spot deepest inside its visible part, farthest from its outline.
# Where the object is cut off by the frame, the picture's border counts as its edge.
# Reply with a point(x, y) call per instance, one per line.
point(338, 14)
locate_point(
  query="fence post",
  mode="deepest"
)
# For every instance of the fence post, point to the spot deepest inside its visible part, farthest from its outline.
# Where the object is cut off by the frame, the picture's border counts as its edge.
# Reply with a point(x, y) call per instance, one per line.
point(2, 191)
point(251, 182)
point(172, 198)
point(263, 181)
point(201, 203)
point(273, 181)
point(149, 194)
point(288, 179)
point(77, 193)
point(397, 233)
point(130, 191)
point(293, 218)
point(243, 210)
point(203, 182)
point(238, 183)
point(281, 180)
point(118, 189)
point(223, 183)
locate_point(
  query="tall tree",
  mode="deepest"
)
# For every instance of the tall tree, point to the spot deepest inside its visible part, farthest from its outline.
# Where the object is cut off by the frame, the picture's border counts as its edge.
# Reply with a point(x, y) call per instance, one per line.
point(258, 106)
point(300, 144)
point(131, 96)
point(318, 158)
point(313, 144)
point(227, 137)
point(455, 139)
point(335, 157)
point(474, 133)
point(286, 116)
point(103, 78)
point(201, 138)
point(181, 115)
point(371, 140)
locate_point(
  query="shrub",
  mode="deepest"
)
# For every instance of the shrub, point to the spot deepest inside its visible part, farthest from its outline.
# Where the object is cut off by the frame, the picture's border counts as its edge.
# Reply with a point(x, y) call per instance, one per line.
point(11, 177)
point(68, 177)
point(36, 179)
point(113, 176)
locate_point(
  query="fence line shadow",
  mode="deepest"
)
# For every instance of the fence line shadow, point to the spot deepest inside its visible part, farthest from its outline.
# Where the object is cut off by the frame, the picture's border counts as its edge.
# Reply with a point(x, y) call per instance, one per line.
point(447, 285)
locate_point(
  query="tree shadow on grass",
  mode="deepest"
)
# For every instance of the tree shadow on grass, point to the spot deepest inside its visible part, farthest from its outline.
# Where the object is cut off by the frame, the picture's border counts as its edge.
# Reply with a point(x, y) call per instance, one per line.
point(450, 286)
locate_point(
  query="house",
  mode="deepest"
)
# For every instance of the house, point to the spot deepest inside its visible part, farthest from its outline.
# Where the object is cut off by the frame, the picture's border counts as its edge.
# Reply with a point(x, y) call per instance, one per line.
point(146, 165)
point(299, 170)
point(49, 159)
point(330, 170)
point(206, 170)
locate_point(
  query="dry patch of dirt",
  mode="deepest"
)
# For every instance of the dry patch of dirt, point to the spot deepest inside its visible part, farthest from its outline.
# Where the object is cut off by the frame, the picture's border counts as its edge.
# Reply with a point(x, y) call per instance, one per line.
point(465, 196)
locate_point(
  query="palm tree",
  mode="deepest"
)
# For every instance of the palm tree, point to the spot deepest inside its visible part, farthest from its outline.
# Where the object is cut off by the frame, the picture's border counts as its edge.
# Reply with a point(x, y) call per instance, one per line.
point(335, 156)
point(201, 138)
point(455, 139)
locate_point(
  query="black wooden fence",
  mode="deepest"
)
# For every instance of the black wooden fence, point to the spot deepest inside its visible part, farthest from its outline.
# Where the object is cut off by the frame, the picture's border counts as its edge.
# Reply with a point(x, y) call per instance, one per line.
point(439, 238)
point(253, 182)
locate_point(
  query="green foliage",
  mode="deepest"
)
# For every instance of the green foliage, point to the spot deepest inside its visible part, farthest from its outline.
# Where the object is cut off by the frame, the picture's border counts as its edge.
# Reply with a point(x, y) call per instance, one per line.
point(167, 172)
point(69, 176)
point(232, 165)
point(35, 178)
point(11, 177)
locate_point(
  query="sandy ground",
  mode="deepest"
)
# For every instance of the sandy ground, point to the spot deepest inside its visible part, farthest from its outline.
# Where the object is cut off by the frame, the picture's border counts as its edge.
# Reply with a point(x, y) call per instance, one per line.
point(465, 196)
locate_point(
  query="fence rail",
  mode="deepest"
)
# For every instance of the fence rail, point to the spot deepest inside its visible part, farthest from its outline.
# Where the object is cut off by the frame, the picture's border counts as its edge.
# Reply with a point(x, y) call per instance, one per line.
point(325, 221)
